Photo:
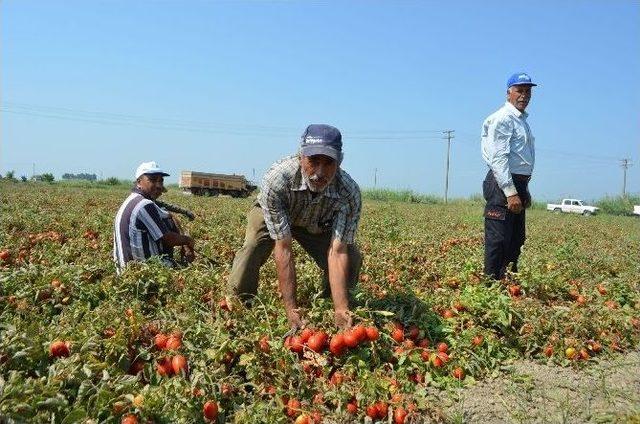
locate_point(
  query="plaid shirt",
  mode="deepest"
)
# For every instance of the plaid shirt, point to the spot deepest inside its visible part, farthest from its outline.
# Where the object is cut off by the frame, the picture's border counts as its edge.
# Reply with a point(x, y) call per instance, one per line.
point(286, 201)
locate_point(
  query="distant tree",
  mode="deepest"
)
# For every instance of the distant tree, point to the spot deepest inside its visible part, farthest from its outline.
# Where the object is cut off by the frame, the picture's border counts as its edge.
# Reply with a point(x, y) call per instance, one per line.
point(112, 181)
point(47, 177)
point(81, 176)
point(10, 175)
point(23, 178)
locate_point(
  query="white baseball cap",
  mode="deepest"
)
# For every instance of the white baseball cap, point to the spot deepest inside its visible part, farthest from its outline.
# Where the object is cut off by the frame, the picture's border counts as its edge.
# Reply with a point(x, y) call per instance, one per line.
point(149, 168)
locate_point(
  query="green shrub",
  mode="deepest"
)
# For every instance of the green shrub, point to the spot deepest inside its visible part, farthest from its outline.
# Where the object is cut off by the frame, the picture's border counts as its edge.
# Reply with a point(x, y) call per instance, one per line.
point(618, 205)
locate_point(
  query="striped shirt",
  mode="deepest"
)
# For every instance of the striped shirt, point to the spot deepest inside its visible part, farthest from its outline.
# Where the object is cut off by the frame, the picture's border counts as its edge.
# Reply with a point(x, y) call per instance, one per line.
point(287, 202)
point(138, 230)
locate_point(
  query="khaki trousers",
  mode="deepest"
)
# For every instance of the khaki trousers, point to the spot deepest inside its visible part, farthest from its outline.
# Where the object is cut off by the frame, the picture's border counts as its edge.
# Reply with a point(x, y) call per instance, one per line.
point(258, 245)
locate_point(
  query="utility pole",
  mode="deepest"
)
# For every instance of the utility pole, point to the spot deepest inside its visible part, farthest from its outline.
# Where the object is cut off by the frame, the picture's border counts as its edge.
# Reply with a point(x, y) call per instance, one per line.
point(375, 177)
point(626, 163)
point(449, 135)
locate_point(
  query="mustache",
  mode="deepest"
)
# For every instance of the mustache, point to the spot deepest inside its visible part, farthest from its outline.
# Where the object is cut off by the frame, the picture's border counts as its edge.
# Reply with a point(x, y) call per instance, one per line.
point(316, 178)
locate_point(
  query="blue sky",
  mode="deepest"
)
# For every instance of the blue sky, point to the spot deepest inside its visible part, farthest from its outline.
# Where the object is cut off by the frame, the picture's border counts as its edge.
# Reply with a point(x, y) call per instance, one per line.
point(228, 86)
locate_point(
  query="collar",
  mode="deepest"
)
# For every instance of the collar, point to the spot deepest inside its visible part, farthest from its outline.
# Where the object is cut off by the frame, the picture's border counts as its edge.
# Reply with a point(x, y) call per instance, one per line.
point(331, 191)
point(512, 109)
point(135, 189)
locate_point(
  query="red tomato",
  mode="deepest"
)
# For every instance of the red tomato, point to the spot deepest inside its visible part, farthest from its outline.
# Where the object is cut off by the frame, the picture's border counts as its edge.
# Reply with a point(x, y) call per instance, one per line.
point(423, 343)
point(514, 290)
point(443, 347)
point(136, 367)
point(372, 333)
point(164, 367)
point(160, 341)
point(398, 335)
point(293, 407)
point(595, 347)
point(602, 289)
point(352, 407)
point(399, 415)
point(458, 373)
point(477, 340)
point(295, 344)
point(337, 378)
point(174, 342)
point(372, 411)
point(58, 349)
point(383, 410)
point(409, 344)
point(448, 313)
point(414, 332)
point(4, 255)
point(350, 339)
point(337, 345)
point(210, 410)
point(458, 306)
point(318, 398)
point(318, 341)
point(548, 351)
point(129, 419)
point(179, 364)
point(223, 304)
point(306, 334)
point(360, 332)
point(437, 361)
point(264, 344)
point(425, 355)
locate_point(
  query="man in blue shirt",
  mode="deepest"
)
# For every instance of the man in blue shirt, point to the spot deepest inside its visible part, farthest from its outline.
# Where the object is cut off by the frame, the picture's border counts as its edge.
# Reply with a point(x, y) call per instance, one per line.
point(508, 149)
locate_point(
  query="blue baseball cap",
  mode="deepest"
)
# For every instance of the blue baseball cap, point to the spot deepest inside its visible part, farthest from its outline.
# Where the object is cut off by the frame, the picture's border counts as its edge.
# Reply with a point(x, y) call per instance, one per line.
point(321, 139)
point(521, 78)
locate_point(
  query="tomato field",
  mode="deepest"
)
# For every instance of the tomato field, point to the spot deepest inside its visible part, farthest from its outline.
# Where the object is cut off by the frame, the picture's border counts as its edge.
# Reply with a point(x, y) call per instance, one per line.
point(80, 344)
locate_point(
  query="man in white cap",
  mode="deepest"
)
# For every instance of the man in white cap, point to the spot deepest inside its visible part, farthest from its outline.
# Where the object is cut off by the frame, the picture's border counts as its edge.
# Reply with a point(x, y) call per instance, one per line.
point(508, 149)
point(309, 198)
point(142, 229)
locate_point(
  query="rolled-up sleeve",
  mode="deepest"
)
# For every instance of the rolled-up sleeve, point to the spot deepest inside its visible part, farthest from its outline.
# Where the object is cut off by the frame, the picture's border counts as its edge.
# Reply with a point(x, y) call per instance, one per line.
point(345, 224)
point(273, 200)
point(496, 135)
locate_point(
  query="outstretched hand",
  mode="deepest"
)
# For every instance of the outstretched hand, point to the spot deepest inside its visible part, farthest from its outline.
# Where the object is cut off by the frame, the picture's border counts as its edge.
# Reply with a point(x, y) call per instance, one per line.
point(343, 319)
point(296, 322)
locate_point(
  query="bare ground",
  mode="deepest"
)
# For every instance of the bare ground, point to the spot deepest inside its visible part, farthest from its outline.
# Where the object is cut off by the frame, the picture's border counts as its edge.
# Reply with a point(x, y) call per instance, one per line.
point(607, 391)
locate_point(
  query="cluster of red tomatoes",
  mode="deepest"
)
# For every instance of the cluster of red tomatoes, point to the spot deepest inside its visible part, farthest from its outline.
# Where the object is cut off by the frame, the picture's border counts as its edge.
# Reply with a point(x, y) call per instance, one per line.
point(339, 343)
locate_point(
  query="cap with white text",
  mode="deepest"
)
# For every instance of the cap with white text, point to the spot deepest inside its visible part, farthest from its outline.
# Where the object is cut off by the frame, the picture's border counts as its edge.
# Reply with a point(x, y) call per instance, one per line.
point(322, 139)
point(521, 78)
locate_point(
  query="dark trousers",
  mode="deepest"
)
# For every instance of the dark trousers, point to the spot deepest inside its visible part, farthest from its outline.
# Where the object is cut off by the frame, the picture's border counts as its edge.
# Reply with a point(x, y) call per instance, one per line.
point(504, 231)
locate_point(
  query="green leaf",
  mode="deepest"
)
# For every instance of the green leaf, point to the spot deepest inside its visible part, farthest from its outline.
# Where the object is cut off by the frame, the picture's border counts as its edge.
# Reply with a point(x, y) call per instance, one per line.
point(75, 416)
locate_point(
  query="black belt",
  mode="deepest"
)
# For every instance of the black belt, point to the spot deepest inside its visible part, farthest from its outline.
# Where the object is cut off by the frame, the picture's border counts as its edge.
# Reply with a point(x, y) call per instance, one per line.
point(520, 177)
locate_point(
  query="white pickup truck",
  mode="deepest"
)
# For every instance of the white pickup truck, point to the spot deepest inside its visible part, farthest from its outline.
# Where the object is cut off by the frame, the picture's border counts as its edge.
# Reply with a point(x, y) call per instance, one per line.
point(572, 206)
point(636, 210)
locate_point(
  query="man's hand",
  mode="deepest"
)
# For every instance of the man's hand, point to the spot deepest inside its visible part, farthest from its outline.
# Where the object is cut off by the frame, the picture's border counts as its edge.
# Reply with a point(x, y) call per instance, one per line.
point(188, 254)
point(295, 320)
point(343, 319)
point(514, 204)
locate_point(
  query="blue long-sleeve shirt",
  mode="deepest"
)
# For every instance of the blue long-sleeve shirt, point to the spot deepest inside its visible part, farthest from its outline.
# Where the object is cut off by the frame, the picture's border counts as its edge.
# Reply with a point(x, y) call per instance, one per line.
point(508, 146)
